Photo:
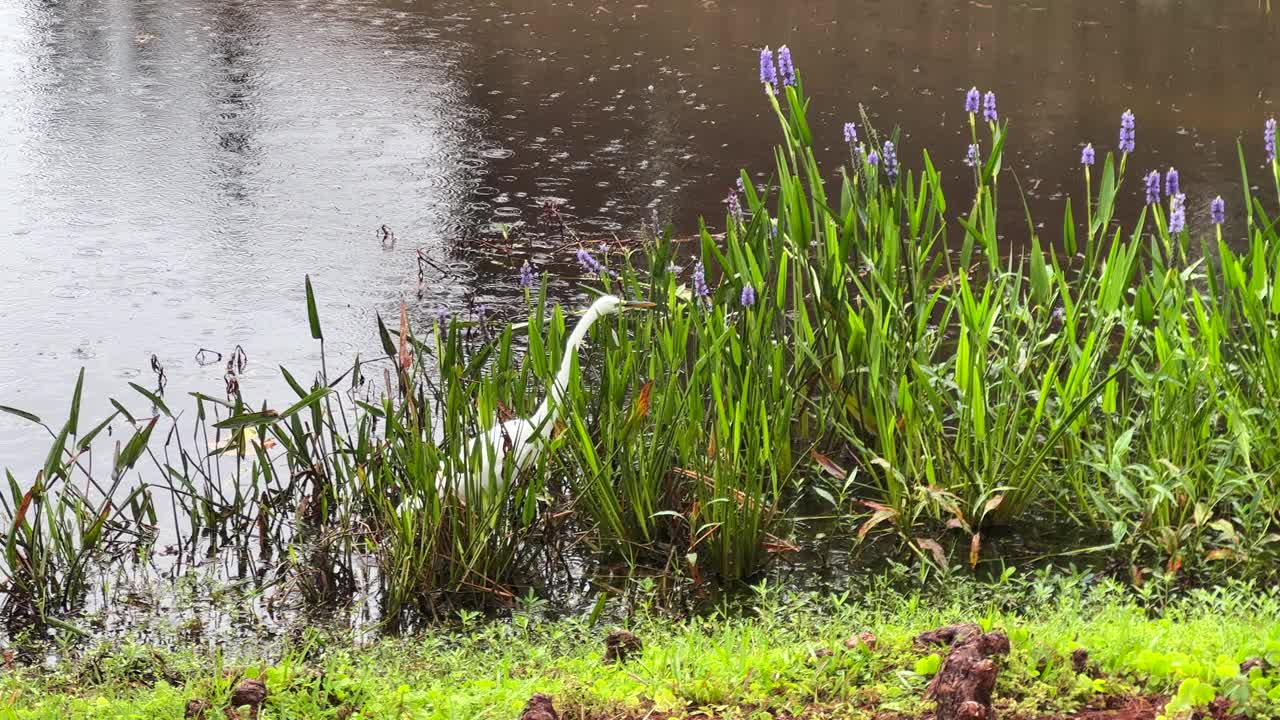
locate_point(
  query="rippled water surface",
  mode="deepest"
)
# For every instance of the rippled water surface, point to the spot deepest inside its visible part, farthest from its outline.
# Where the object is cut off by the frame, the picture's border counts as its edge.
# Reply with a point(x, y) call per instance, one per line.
point(170, 169)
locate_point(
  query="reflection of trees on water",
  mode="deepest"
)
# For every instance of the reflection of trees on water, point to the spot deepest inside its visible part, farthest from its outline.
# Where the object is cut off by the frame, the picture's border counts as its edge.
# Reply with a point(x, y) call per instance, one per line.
point(234, 67)
point(1064, 72)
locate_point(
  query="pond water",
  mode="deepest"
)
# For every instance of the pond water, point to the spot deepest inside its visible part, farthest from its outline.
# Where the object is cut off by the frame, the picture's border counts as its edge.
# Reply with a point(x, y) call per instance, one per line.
point(170, 169)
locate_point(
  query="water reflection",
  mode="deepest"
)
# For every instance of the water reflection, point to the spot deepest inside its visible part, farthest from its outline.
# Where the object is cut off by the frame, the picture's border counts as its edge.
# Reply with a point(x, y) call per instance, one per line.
point(170, 170)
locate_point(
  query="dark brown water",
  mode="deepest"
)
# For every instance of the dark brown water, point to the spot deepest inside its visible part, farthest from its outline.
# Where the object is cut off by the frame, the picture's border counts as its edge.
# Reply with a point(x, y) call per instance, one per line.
point(170, 169)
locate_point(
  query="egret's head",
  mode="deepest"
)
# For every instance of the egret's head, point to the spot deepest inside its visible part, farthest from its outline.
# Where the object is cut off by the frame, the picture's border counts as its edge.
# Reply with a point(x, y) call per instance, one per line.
point(610, 304)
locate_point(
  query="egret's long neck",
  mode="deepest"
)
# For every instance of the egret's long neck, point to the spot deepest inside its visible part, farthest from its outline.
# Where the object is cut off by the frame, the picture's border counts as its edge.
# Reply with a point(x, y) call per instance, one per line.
point(546, 412)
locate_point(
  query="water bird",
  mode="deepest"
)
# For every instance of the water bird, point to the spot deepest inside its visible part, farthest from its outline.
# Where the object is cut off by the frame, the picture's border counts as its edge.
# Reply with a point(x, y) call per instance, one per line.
point(521, 440)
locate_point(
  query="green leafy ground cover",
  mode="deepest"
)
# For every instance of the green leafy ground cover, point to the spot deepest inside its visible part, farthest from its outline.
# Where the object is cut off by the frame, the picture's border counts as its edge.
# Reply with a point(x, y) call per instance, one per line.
point(770, 662)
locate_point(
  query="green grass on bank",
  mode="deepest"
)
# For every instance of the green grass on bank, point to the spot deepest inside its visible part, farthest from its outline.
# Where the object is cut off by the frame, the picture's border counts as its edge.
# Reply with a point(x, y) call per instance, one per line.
point(761, 664)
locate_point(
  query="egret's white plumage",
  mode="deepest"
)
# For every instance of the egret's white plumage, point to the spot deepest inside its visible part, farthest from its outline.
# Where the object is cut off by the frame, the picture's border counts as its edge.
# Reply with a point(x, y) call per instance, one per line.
point(522, 440)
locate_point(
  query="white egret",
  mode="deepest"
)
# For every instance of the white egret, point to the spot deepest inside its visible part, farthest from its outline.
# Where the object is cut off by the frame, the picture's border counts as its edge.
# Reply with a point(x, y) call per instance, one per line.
point(522, 440)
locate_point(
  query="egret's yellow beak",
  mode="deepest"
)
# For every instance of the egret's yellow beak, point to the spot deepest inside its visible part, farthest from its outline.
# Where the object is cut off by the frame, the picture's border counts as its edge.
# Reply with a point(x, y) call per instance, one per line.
point(637, 304)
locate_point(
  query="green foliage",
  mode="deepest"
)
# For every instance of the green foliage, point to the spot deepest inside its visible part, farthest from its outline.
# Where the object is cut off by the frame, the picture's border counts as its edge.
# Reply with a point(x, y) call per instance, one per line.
point(1191, 651)
point(894, 364)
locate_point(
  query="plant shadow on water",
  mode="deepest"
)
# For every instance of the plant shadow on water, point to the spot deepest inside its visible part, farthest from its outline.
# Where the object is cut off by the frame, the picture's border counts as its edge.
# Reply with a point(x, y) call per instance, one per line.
point(826, 396)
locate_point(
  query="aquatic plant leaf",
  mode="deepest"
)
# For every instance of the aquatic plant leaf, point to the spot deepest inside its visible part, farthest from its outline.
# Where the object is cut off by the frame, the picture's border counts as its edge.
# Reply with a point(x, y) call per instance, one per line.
point(828, 465)
point(20, 516)
point(20, 413)
point(388, 345)
point(156, 402)
point(935, 549)
point(73, 418)
point(876, 518)
point(313, 315)
point(406, 361)
point(133, 449)
point(52, 466)
point(88, 438)
point(261, 417)
point(293, 382)
point(127, 415)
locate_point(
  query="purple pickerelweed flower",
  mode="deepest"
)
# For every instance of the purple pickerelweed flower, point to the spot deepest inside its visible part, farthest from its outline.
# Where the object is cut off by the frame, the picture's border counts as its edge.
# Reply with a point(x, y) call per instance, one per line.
point(700, 289)
point(1127, 133)
point(785, 68)
point(589, 264)
point(1218, 211)
point(735, 207)
point(768, 71)
point(1086, 155)
point(748, 295)
point(890, 157)
point(526, 275)
point(1153, 187)
point(971, 157)
point(989, 107)
point(971, 100)
point(1177, 213)
point(873, 158)
point(1171, 183)
point(850, 133)
point(1269, 138)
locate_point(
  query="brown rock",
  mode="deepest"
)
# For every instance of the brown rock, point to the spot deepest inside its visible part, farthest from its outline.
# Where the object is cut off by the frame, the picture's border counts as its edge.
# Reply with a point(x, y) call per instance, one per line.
point(196, 708)
point(620, 645)
point(865, 639)
point(1220, 709)
point(963, 686)
point(1252, 663)
point(822, 653)
point(539, 707)
point(249, 692)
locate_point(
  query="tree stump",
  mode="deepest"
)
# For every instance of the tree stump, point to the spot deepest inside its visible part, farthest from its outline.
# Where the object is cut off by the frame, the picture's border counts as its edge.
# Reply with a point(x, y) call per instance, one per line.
point(249, 692)
point(1080, 661)
point(539, 707)
point(620, 645)
point(963, 686)
point(948, 635)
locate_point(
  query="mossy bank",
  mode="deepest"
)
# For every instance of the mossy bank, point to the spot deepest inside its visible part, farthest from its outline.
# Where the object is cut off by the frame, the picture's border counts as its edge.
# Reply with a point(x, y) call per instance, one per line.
point(1075, 644)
